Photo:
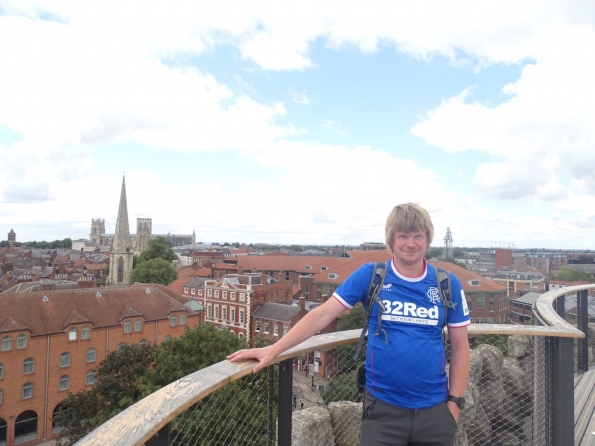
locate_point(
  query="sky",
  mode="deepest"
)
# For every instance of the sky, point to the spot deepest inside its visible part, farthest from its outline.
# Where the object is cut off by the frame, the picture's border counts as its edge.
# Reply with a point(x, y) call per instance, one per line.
point(300, 122)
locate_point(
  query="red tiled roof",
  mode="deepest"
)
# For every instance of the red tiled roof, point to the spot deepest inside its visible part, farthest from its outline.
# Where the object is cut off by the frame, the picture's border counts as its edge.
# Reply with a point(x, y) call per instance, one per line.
point(344, 267)
point(102, 307)
point(465, 276)
point(80, 262)
point(95, 266)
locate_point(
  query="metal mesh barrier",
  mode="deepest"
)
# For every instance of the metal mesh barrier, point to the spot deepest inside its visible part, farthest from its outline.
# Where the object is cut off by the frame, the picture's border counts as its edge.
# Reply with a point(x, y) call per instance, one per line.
point(241, 413)
point(507, 400)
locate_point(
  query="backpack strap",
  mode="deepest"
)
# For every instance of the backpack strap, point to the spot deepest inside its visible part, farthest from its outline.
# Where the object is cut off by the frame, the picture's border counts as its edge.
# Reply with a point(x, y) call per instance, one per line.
point(444, 285)
point(374, 287)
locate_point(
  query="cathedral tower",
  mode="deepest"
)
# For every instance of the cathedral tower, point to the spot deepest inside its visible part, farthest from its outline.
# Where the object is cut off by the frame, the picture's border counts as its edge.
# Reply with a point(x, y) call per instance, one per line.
point(97, 230)
point(121, 253)
point(12, 238)
point(143, 233)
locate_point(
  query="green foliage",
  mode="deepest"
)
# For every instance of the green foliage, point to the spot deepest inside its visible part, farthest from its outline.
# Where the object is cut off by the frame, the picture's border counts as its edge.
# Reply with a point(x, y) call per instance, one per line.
point(570, 275)
point(154, 271)
point(158, 248)
point(343, 387)
point(500, 341)
point(114, 390)
point(355, 319)
point(433, 252)
point(457, 253)
point(65, 243)
point(196, 349)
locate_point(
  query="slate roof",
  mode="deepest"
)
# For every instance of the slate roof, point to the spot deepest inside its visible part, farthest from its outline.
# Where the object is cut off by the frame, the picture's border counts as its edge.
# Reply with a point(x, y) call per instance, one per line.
point(101, 307)
point(30, 287)
point(276, 312)
point(197, 282)
point(528, 298)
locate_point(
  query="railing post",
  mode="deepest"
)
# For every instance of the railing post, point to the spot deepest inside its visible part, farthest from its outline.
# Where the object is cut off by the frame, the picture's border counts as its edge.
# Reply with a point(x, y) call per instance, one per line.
point(583, 325)
point(161, 438)
point(285, 411)
point(563, 391)
point(559, 305)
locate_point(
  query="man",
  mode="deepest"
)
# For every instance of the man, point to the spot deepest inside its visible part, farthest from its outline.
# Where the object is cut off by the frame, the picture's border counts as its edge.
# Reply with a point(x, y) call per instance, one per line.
point(408, 399)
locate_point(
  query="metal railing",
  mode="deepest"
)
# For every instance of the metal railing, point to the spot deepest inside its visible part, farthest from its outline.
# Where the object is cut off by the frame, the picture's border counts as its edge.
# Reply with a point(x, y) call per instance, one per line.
point(520, 392)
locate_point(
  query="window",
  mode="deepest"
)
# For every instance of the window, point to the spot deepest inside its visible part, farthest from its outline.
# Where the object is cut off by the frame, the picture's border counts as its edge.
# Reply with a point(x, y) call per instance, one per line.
point(232, 295)
point(90, 377)
point(323, 268)
point(307, 267)
point(22, 341)
point(72, 334)
point(193, 291)
point(85, 332)
point(224, 294)
point(232, 314)
point(275, 330)
point(0, 396)
point(266, 327)
point(216, 311)
point(285, 329)
point(257, 326)
point(64, 382)
point(199, 292)
point(216, 293)
point(209, 292)
point(173, 321)
point(143, 342)
point(27, 391)
point(306, 289)
point(1, 371)
point(287, 276)
point(6, 343)
point(127, 327)
point(91, 355)
point(327, 289)
point(475, 283)
point(138, 325)
point(241, 316)
point(491, 307)
point(468, 302)
point(489, 320)
point(242, 297)
point(224, 312)
point(209, 312)
point(182, 319)
point(65, 359)
point(479, 320)
point(28, 366)
point(185, 290)
point(332, 275)
point(241, 335)
point(481, 301)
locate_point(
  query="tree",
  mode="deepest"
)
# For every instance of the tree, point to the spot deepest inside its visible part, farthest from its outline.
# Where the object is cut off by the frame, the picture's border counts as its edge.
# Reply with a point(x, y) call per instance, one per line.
point(155, 270)
point(114, 390)
point(568, 274)
point(433, 252)
point(158, 248)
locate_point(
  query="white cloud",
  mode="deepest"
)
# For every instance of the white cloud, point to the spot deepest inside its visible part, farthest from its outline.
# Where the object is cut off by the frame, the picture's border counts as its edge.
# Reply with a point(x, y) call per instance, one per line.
point(299, 97)
point(335, 127)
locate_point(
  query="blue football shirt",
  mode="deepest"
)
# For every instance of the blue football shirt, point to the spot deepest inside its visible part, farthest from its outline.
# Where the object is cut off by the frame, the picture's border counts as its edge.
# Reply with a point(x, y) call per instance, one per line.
point(405, 363)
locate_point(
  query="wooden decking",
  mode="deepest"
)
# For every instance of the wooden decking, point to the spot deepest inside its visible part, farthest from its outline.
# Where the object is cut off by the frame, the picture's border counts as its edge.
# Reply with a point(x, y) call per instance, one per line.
point(584, 409)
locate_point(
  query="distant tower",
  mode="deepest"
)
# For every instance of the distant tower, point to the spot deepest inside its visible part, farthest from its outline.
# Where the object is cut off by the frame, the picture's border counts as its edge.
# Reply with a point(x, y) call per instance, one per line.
point(447, 253)
point(143, 233)
point(12, 238)
point(97, 229)
point(121, 253)
point(193, 241)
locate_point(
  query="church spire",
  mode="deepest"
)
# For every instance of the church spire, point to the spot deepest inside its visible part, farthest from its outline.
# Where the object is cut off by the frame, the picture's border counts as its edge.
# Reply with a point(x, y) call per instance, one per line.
point(121, 241)
point(121, 252)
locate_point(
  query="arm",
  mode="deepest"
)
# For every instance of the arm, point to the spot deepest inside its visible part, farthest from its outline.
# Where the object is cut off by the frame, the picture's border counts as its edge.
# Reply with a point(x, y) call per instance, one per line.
point(459, 365)
point(308, 326)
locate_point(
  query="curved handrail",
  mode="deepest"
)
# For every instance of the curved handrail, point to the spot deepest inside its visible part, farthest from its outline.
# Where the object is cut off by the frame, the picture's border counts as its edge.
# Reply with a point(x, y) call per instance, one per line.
point(544, 305)
point(138, 423)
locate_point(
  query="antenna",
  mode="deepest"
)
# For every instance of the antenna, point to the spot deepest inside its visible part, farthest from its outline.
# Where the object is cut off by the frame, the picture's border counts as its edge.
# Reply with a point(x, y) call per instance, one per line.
point(447, 253)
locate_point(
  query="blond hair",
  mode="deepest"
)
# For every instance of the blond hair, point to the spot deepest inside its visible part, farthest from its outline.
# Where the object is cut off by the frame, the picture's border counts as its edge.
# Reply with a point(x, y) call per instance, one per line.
point(408, 217)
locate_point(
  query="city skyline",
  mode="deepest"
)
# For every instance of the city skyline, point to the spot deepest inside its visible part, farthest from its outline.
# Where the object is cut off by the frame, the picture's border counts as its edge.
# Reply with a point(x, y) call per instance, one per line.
point(300, 123)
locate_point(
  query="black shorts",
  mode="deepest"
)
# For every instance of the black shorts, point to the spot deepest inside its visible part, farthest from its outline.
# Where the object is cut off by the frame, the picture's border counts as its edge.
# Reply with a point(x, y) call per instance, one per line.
point(387, 425)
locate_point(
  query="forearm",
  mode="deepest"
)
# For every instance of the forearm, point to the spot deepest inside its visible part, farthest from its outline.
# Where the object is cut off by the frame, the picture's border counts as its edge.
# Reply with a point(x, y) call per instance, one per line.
point(459, 371)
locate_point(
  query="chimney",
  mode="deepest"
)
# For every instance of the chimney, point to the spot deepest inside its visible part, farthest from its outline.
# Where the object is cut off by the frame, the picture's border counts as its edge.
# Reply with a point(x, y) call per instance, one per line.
point(47, 285)
point(240, 270)
point(302, 304)
point(263, 280)
point(281, 277)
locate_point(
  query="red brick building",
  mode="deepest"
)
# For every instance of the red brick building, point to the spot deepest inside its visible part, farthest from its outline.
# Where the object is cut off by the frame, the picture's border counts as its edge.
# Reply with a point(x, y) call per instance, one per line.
point(51, 343)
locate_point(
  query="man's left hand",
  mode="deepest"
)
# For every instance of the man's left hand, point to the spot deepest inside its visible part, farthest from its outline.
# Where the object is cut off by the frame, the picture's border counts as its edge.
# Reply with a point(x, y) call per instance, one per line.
point(454, 410)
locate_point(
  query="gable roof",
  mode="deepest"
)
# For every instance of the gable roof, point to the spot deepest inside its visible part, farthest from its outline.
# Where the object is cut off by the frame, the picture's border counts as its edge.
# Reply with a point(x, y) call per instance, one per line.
point(102, 307)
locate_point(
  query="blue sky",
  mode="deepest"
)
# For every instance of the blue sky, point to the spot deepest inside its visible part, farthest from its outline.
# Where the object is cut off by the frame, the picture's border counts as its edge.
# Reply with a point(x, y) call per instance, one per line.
point(287, 122)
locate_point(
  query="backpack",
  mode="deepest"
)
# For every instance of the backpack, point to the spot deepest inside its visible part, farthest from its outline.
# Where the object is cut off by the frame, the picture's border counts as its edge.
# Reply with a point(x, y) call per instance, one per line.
point(376, 281)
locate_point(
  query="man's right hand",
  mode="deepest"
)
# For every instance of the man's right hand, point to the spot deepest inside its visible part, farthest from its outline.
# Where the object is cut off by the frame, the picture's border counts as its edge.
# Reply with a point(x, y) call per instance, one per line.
point(264, 356)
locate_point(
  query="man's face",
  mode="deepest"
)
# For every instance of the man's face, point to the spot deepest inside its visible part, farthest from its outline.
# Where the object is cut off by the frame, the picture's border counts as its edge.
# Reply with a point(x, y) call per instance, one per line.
point(409, 248)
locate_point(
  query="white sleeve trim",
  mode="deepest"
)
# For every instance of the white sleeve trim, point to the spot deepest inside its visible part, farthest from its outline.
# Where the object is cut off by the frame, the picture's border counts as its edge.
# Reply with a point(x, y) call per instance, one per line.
point(459, 324)
point(340, 299)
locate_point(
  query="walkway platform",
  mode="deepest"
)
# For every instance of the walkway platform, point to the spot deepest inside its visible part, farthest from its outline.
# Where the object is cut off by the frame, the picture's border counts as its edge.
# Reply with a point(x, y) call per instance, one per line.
point(584, 409)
